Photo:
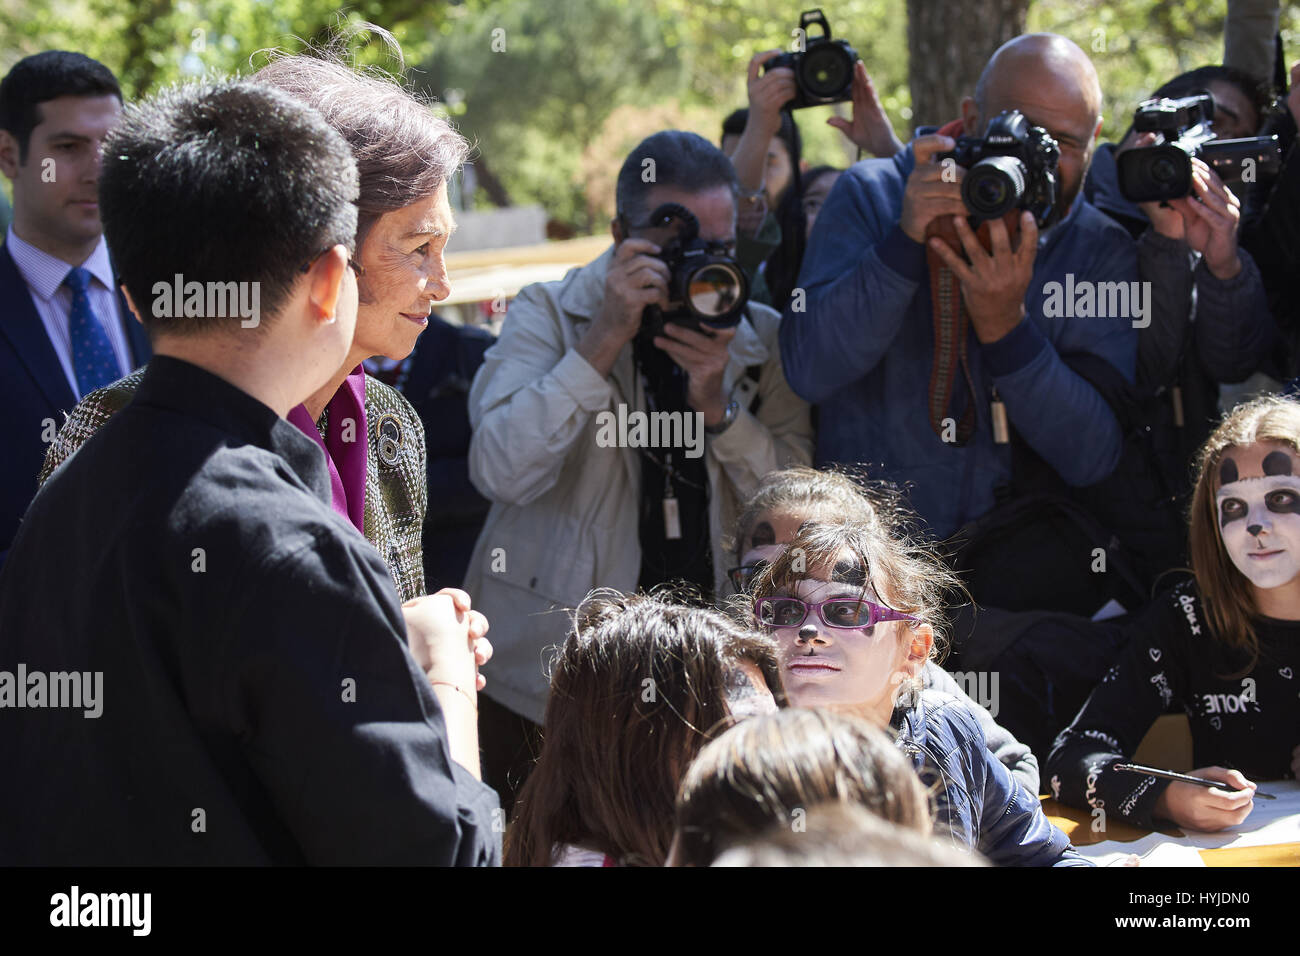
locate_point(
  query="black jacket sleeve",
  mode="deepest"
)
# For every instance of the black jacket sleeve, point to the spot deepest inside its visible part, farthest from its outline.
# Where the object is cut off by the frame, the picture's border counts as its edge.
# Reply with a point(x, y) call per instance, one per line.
point(1150, 676)
point(339, 724)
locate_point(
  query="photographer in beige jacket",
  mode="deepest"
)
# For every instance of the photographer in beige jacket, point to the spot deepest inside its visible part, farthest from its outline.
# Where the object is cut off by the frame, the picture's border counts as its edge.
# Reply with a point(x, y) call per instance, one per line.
point(615, 450)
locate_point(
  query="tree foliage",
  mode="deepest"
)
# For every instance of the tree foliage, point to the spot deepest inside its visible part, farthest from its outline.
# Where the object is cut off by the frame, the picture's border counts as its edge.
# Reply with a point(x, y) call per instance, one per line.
point(577, 82)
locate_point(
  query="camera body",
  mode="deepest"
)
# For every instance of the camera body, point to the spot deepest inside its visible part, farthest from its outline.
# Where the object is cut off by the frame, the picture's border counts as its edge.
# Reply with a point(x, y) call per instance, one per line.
point(1013, 166)
point(707, 288)
point(1163, 170)
point(823, 70)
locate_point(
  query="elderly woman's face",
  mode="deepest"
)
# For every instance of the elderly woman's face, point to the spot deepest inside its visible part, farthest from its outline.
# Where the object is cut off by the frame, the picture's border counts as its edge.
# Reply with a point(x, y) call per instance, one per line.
point(404, 274)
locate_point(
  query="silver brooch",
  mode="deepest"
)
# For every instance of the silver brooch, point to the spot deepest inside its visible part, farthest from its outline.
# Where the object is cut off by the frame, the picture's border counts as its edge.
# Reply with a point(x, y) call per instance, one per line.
point(388, 430)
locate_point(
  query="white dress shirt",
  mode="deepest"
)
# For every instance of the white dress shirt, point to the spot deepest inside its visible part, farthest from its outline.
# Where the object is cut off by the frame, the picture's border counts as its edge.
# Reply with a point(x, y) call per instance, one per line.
point(44, 275)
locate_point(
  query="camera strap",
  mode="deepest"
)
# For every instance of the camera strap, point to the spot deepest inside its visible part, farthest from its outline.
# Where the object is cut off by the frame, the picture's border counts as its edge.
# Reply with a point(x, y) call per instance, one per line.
point(952, 337)
point(951, 330)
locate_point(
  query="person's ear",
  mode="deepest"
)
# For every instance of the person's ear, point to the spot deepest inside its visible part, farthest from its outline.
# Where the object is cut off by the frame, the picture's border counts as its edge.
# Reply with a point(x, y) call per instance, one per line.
point(920, 643)
point(325, 283)
point(130, 304)
point(970, 117)
point(8, 155)
point(616, 230)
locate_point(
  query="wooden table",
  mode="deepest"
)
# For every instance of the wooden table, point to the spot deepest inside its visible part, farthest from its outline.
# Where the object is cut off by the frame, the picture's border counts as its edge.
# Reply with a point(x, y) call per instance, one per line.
point(1077, 825)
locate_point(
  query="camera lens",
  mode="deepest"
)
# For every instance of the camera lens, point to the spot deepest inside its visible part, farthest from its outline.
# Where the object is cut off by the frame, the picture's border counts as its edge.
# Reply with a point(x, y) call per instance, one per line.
point(994, 186)
point(714, 290)
point(1163, 170)
point(991, 191)
point(826, 71)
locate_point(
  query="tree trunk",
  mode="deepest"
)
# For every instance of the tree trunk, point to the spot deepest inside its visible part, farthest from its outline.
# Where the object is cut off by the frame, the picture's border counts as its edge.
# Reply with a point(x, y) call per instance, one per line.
point(487, 180)
point(948, 43)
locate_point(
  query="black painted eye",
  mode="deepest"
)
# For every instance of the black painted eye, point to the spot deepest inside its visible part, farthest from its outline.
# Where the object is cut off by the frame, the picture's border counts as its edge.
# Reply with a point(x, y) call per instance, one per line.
point(1283, 500)
point(1232, 508)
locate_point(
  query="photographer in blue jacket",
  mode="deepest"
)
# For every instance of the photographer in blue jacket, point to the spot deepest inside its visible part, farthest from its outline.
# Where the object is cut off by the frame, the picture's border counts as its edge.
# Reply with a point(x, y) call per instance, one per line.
point(925, 388)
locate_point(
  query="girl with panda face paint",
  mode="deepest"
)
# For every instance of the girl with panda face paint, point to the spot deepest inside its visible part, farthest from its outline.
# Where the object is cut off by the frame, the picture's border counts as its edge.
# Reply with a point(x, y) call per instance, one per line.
point(1224, 646)
point(1258, 505)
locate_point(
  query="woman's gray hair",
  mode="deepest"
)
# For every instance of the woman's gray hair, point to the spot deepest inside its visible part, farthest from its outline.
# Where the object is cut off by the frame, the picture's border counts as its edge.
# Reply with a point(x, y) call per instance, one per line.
point(404, 151)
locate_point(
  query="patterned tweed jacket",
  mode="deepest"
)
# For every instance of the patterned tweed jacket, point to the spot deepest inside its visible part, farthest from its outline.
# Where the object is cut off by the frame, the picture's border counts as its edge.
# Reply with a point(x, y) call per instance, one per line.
point(397, 495)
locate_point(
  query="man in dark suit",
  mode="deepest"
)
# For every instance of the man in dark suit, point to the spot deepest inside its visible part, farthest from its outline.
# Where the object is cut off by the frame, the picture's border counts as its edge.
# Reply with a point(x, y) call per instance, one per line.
point(64, 327)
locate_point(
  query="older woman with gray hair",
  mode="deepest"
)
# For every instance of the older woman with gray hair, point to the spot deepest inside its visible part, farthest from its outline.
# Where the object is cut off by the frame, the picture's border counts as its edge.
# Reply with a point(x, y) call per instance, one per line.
point(371, 436)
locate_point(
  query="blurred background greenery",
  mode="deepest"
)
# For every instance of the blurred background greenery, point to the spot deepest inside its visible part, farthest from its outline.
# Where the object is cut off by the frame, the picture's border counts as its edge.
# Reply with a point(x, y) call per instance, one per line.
point(555, 92)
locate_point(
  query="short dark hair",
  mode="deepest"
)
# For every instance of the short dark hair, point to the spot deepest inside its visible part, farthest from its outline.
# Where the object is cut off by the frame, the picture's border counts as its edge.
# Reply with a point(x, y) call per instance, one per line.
point(681, 159)
point(42, 77)
point(1199, 80)
point(223, 182)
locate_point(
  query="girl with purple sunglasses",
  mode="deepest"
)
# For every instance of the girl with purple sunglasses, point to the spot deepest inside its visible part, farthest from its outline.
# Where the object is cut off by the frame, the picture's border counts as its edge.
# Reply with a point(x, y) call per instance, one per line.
point(855, 609)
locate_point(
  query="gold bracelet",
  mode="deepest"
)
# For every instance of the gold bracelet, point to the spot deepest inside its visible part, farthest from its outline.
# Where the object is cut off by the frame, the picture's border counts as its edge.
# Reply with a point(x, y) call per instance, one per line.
point(457, 687)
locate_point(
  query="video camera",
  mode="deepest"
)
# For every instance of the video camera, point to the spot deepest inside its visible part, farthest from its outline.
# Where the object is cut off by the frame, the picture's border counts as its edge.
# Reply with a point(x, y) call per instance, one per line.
point(823, 70)
point(706, 287)
point(1185, 129)
point(1013, 166)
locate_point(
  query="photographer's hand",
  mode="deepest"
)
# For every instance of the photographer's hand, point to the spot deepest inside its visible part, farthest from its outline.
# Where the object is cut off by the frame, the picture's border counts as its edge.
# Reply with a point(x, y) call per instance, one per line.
point(993, 284)
point(1211, 216)
point(704, 358)
point(634, 280)
point(927, 195)
point(768, 92)
point(870, 129)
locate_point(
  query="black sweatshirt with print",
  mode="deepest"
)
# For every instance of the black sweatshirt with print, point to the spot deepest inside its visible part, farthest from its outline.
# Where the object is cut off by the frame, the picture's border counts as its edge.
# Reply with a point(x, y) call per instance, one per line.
point(1250, 721)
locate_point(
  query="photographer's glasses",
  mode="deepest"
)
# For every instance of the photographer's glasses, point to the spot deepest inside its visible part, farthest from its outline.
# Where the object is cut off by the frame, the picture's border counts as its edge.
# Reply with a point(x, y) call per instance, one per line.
point(842, 613)
point(742, 577)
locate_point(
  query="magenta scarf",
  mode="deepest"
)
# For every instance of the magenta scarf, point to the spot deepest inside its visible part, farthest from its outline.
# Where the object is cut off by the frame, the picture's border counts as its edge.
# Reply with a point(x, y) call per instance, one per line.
point(344, 454)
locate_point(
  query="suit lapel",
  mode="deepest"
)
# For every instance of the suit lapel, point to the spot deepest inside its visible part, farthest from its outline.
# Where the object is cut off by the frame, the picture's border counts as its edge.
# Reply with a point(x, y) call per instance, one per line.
point(21, 327)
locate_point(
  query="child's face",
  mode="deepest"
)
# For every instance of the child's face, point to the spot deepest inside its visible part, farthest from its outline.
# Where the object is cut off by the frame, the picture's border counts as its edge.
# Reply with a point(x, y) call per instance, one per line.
point(773, 530)
point(858, 669)
point(1258, 510)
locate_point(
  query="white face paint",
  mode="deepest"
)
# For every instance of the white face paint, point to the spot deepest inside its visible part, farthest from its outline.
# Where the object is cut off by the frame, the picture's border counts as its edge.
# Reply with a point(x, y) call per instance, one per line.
point(1259, 517)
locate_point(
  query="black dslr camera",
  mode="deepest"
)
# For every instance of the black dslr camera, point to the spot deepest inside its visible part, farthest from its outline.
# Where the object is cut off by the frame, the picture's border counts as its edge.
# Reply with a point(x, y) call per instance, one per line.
point(1164, 170)
point(823, 71)
point(707, 286)
point(1013, 167)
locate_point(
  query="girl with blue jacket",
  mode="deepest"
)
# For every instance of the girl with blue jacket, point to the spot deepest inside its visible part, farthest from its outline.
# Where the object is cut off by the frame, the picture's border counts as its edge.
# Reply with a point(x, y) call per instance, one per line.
point(855, 609)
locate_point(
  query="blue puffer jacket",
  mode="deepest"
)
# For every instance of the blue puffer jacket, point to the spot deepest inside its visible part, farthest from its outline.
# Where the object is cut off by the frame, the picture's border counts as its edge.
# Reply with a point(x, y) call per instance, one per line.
point(863, 346)
point(978, 800)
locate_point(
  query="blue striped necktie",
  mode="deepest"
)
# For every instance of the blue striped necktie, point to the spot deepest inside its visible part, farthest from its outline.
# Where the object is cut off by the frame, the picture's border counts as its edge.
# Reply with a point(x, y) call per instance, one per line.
point(93, 361)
